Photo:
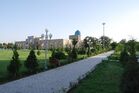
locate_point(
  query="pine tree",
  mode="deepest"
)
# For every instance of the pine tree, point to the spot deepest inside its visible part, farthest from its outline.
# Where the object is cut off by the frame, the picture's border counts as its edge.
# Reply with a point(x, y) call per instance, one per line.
point(31, 62)
point(14, 66)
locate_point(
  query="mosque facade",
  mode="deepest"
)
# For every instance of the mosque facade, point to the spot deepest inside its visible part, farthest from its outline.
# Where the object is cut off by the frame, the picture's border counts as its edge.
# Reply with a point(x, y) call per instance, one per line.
point(40, 42)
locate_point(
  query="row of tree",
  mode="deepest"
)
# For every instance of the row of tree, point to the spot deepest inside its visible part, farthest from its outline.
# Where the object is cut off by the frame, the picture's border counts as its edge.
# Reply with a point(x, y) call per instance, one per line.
point(90, 45)
point(6, 45)
point(31, 64)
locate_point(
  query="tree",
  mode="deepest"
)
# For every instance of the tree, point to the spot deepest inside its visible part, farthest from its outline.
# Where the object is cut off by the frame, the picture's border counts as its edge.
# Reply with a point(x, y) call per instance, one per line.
point(119, 47)
point(15, 64)
point(91, 42)
point(10, 45)
point(105, 41)
point(87, 43)
point(74, 42)
point(137, 46)
point(131, 49)
point(1, 46)
point(124, 57)
point(31, 62)
point(123, 41)
point(113, 45)
point(130, 78)
point(4, 45)
point(74, 50)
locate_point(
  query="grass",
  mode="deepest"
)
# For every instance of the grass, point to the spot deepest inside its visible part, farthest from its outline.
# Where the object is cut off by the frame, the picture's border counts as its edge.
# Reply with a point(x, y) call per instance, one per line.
point(6, 56)
point(104, 79)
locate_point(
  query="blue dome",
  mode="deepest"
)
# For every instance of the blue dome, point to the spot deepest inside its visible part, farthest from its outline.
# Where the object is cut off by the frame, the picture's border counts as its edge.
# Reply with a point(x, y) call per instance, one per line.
point(77, 33)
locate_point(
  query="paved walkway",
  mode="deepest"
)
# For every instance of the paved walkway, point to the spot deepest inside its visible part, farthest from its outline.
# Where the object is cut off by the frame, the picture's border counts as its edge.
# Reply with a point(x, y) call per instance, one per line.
point(56, 80)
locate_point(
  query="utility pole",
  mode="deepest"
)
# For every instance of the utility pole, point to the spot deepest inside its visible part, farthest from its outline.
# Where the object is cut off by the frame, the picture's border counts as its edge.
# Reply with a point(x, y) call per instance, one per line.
point(103, 34)
point(46, 48)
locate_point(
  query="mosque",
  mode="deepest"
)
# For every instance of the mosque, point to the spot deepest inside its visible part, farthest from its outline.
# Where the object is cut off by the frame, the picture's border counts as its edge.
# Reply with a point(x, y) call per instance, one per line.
point(51, 43)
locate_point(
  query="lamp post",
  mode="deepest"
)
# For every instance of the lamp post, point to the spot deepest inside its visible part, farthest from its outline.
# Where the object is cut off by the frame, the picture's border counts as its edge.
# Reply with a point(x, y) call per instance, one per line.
point(103, 33)
point(46, 48)
point(50, 36)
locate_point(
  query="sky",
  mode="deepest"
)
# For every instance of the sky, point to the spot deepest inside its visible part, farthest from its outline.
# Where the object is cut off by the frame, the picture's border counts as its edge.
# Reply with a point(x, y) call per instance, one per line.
point(22, 18)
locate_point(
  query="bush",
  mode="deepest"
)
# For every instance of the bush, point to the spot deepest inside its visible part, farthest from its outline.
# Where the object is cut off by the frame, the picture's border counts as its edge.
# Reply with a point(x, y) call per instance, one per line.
point(137, 46)
point(81, 51)
point(119, 47)
point(15, 65)
point(130, 79)
point(74, 53)
point(31, 62)
point(124, 57)
point(58, 55)
point(54, 62)
point(38, 52)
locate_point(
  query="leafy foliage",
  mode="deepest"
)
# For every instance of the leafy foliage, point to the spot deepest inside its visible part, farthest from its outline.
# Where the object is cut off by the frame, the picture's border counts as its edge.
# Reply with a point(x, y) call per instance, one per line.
point(38, 52)
point(119, 48)
point(15, 65)
point(74, 54)
point(105, 41)
point(124, 57)
point(31, 62)
point(130, 79)
point(113, 45)
point(58, 55)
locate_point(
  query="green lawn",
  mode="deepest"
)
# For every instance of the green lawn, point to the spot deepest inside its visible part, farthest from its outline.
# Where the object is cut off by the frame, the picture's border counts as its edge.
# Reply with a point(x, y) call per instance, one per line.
point(6, 56)
point(105, 79)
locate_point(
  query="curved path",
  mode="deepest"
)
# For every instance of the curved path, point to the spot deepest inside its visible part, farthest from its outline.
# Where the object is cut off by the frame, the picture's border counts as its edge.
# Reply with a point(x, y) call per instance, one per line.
point(57, 80)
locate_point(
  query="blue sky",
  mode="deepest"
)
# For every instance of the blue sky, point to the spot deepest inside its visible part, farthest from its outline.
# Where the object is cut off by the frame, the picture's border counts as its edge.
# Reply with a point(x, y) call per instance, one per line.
point(22, 18)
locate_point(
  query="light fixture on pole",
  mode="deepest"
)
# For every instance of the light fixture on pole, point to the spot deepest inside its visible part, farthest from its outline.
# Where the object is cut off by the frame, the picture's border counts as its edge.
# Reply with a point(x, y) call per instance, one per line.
point(103, 33)
point(46, 48)
point(50, 36)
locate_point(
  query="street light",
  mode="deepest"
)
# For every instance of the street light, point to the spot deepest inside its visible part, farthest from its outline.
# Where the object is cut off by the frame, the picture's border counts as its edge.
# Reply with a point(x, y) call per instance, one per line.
point(46, 48)
point(50, 36)
point(103, 33)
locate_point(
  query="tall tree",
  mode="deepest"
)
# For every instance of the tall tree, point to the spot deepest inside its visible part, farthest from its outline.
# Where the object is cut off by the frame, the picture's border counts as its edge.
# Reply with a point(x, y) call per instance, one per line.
point(90, 43)
point(74, 42)
point(105, 41)
point(131, 49)
point(31, 62)
point(74, 51)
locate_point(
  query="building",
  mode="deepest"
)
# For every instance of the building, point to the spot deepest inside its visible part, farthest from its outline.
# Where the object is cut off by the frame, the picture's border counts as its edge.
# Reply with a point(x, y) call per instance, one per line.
point(39, 42)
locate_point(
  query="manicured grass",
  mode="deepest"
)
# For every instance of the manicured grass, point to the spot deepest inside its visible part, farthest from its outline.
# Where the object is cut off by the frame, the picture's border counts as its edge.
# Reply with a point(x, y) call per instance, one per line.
point(104, 79)
point(6, 56)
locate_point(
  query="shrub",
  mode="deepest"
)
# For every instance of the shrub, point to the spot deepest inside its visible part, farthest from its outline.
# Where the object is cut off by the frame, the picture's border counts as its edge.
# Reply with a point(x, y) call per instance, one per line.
point(119, 47)
point(113, 45)
point(58, 55)
point(81, 51)
point(31, 62)
point(54, 62)
point(38, 52)
point(137, 46)
point(74, 53)
point(124, 57)
point(14, 66)
point(130, 78)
